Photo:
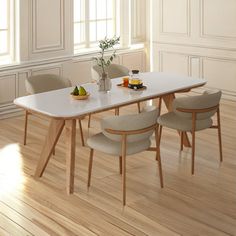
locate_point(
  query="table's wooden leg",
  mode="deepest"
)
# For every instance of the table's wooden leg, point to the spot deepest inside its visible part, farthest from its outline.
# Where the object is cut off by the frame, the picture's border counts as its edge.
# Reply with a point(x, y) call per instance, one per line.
point(168, 102)
point(54, 132)
point(117, 111)
point(70, 158)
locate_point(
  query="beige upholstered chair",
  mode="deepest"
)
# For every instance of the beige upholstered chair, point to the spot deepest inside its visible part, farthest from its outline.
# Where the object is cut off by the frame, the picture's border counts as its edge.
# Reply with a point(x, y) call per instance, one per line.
point(191, 114)
point(114, 71)
point(126, 135)
point(44, 83)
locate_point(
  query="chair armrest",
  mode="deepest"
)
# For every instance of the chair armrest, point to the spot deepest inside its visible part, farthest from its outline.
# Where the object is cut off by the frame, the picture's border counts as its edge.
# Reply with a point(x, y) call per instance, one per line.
point(188, 110)
point(131, 132)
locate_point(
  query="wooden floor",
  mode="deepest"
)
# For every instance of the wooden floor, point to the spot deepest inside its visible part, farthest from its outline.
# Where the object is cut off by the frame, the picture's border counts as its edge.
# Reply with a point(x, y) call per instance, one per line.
point(203, 204)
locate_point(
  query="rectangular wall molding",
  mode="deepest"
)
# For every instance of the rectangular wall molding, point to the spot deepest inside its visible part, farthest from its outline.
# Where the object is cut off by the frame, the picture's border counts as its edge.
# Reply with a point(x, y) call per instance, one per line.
point(175, 17)
point(217, 71)
point(8, 87)
point(173, 62)
point(48, 28)
point(217, 22)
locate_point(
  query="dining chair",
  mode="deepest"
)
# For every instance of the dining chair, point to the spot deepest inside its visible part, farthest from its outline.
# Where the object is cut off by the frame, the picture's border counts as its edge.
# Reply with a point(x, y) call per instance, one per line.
point(191, 114)
point(44, 83)
point(114, 71)
point(126, 135)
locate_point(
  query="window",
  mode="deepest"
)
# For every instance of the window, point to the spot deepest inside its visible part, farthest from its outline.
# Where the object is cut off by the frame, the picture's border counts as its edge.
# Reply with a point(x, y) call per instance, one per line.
point(6, 30)
point(93, 20)
point(138, 20)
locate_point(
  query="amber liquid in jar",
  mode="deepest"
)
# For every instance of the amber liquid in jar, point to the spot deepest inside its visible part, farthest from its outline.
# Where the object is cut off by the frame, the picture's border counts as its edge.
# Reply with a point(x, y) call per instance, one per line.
point(125, 81)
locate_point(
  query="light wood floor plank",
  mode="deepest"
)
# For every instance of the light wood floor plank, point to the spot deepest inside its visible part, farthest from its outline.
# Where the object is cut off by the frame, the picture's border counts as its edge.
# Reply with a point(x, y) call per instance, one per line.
point(10, 227)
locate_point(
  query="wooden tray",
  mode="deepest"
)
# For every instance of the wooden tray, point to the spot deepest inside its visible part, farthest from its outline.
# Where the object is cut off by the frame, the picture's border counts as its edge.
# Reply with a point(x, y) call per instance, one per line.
point(138, 89)
point(78, 97)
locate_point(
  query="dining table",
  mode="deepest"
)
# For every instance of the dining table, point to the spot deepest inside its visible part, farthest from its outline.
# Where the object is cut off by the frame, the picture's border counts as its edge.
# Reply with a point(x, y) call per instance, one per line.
point(63, 110)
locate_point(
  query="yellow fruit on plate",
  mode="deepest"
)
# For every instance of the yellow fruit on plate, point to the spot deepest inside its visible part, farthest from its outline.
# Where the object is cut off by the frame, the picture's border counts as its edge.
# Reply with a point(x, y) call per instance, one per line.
point(79, 91)
point(82, 91)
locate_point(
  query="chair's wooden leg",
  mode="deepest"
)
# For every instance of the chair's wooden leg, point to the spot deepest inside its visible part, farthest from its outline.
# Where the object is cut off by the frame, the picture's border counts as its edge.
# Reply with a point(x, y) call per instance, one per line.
point(186, 140)
point(81, 132)
point(70, 158)
point(193, 151)
point(139, 107)
point(117, 111)
point(219, 134)
point(90, 166)
point(181, 140)
point(159, 105)
point(193, 140)
point(160, 171)
point(159, 139)
point(120, 164)
point(54, 132)
point(26, 126)
point(158, 158)
point(54, 151)
point(124, 168)
point(89, 120)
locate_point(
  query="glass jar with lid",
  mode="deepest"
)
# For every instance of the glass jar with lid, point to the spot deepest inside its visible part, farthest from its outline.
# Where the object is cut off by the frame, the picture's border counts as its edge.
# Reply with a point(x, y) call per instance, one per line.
point(135, 82)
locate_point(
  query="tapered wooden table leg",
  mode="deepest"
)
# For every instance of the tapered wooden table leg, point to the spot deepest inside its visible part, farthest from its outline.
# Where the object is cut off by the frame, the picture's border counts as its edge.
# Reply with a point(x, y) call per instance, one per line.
point(70, 126)
point(54, 132)
point(168, 102)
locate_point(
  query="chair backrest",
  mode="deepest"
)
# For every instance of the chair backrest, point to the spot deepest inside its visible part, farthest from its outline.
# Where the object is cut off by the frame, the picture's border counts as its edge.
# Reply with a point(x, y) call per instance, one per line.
point(113, 70)
point(44, 83)
point(206, 100)
point(128, 123)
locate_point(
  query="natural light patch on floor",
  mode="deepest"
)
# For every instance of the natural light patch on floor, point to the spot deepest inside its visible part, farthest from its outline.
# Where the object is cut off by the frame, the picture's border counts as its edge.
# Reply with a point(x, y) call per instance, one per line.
point(11, 174)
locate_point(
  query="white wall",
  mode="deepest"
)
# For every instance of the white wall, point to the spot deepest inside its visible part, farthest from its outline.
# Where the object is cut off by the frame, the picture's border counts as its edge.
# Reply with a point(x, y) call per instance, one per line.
point(197, 38)
point(46, 46)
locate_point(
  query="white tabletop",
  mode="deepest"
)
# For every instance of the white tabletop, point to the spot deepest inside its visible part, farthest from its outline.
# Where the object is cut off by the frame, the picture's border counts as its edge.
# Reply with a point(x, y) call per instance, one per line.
point(59, 104)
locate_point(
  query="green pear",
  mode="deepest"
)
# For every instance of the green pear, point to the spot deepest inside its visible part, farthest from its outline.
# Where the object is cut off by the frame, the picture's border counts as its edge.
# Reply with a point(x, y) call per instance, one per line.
point(75, 91)
point(82, 91)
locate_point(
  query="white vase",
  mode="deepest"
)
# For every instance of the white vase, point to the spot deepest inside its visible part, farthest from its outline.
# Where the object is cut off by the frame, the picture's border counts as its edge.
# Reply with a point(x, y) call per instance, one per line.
point(104, 83)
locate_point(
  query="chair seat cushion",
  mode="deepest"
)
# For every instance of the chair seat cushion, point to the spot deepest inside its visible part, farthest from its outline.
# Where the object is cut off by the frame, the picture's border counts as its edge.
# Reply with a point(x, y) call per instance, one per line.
point(149, 108)
point(101, 143)
point(173, 121)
